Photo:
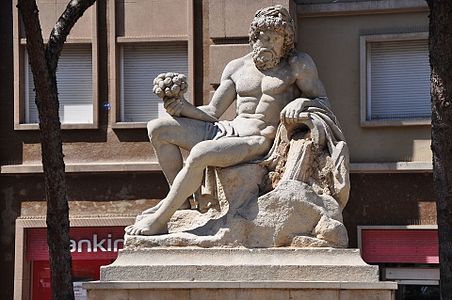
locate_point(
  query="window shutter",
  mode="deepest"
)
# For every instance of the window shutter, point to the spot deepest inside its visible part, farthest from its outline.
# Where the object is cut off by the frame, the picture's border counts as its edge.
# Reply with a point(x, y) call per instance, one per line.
point(141, 63)
point(75, 86)
point(399, 80)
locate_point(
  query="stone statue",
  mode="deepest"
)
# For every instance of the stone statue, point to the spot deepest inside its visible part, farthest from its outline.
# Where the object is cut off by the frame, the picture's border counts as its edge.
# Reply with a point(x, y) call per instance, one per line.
point(279, 168)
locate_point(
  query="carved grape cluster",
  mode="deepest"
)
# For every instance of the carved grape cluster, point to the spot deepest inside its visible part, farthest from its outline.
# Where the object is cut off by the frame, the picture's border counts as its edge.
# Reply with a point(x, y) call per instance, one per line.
point(170, 85)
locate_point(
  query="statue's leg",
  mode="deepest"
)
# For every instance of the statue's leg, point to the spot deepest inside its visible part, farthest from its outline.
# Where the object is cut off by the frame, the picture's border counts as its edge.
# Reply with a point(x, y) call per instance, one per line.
point(218, 153)
point(168, 136)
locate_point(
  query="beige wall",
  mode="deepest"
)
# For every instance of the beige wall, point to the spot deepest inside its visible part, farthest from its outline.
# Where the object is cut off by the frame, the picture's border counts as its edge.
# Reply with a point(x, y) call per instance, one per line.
point(50, 11)
point(333, 42)
point(232, 18)
point(145, 18)
point(107, 24)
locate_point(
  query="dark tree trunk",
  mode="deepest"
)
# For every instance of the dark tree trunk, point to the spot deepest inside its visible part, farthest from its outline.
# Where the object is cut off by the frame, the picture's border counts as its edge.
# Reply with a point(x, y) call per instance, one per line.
point(44, 60)
point(440, 47)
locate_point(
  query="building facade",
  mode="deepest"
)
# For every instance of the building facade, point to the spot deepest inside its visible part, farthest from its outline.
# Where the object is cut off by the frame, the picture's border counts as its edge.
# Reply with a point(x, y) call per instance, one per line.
point(372, 57)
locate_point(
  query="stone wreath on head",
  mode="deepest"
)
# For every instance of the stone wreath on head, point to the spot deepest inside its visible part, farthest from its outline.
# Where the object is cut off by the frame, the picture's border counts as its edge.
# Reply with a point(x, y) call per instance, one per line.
point(275, 18)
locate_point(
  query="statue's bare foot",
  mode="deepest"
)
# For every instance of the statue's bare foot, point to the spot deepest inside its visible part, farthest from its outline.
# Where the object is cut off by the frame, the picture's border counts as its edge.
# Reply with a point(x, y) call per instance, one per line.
point(152, 209)
point(147, 225)
point(148, 211)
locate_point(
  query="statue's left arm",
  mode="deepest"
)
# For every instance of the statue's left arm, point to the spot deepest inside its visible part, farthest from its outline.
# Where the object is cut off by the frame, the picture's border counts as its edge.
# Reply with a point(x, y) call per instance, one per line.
point(309, 84)
point(324, 128)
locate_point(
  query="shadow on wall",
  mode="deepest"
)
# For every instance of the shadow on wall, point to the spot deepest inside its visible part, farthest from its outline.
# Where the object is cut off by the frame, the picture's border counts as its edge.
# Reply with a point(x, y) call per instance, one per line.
point(389, 199)
point(132, 135)
point(11, 144)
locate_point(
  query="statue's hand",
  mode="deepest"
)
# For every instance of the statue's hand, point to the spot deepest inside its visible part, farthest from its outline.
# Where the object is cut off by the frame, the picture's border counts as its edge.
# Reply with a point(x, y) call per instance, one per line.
point(296, 113)
point(173, 106)
point(293, 112)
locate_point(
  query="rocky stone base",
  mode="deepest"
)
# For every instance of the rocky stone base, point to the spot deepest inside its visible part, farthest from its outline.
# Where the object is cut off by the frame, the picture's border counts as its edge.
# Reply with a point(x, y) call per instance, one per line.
point(291, 215)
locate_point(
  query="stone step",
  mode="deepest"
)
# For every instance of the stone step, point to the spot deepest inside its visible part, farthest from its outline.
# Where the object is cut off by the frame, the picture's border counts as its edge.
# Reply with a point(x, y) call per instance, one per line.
point(239, 264)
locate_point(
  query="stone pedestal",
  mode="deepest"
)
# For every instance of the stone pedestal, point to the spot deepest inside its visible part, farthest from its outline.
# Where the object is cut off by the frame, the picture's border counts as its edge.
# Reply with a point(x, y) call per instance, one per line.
point(239, 273)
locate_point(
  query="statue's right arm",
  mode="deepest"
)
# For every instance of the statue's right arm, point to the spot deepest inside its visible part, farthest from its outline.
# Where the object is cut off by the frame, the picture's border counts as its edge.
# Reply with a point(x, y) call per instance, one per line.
point(225, 94)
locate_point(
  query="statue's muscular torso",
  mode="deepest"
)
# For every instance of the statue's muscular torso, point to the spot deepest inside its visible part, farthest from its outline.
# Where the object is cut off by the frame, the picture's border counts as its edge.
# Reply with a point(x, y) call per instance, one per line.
point(261, 95)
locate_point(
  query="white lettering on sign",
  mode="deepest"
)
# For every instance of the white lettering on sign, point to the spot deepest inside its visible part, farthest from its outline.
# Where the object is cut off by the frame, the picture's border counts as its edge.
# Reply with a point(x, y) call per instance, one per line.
point(96, 245)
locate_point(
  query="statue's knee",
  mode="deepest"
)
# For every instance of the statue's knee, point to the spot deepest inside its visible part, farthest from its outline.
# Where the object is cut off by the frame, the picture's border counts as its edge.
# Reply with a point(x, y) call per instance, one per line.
point(152, 127)
point(198, 157)
point(156, 128)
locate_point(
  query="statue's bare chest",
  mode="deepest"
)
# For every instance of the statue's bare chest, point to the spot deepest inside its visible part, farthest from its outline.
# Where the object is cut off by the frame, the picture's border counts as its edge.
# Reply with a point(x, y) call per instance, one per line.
point(251, 82)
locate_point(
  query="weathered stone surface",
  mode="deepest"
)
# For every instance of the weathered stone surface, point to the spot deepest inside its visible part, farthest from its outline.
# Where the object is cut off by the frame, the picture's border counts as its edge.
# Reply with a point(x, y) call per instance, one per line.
point(239, 273)
point(284, 133)
point(220, 290)
point(294, 211)
point(290, 215)
point(239, 264)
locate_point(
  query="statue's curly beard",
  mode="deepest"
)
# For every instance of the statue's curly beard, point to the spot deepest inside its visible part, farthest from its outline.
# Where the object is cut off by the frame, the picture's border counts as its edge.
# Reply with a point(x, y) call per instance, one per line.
point(265, 59)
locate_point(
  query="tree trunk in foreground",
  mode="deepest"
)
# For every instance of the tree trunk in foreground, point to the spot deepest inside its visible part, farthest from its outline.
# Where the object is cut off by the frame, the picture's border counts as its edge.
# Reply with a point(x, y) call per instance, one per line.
point(440, 47)
point(44, 60)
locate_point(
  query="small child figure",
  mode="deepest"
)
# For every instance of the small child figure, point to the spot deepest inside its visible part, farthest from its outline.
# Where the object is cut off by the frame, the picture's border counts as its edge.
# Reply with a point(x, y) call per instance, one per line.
point(171, 88)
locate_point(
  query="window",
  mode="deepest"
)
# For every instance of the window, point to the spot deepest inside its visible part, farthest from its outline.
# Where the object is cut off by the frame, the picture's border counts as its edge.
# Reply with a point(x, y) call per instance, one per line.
point(140, 64)
point(395, 79)
point(138, 53)
point(75, 86)
point(77, 71)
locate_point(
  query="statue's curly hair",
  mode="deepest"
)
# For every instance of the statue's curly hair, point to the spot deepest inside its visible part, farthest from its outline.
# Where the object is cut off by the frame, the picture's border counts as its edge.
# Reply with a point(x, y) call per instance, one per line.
point(276, 18)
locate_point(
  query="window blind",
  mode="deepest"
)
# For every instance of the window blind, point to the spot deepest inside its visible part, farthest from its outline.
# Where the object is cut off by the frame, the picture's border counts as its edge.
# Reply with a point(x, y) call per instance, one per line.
point(399, 86)
point(141, 63)
point(75, 86)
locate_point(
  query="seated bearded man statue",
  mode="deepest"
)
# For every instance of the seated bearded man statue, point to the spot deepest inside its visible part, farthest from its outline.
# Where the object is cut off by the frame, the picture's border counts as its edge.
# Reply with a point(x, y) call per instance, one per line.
point(271, 85)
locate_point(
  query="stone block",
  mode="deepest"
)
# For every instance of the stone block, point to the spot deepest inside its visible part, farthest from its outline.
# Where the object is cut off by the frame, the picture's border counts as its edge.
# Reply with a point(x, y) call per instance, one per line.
point(314, 295)
point(214, 294)
point(365, 294)
point(143, 18)
point(239, 265)
point(108, 294)
point(262, 294)
point(159, 295)
point(221, 55)
point(223, 290)
point(232, 18)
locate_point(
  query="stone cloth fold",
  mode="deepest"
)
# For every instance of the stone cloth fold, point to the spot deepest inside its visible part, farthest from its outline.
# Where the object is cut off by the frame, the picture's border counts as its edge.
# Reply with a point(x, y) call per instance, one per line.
point(337, 149)
point(220, 129)
point(324, 120)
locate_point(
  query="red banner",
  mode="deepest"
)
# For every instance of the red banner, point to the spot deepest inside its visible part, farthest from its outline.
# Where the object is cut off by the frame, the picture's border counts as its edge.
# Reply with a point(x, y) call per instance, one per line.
point(86, 243)
point(400, 246)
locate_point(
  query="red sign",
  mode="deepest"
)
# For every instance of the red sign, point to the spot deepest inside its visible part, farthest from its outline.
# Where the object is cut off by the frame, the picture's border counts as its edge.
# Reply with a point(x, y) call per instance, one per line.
point(400, 246)
point(86, 243)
